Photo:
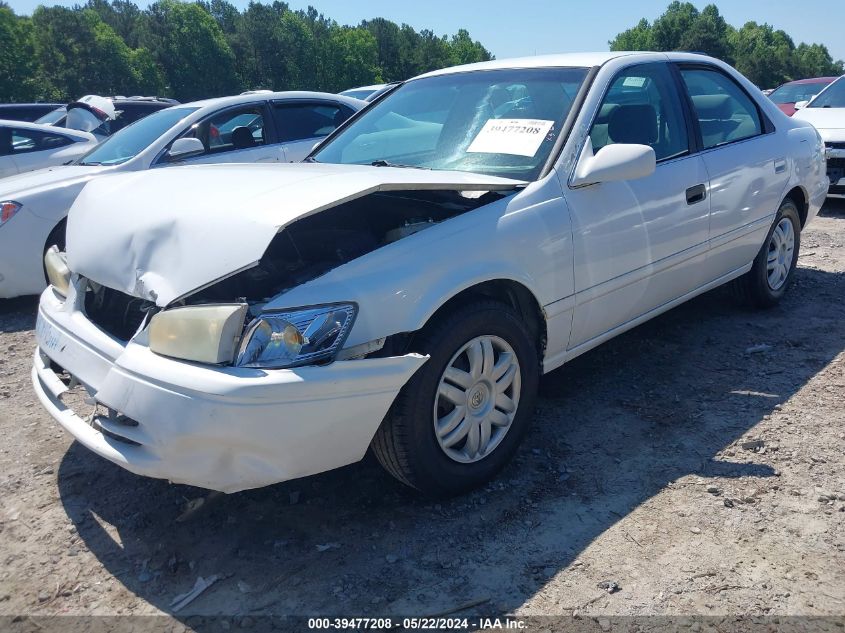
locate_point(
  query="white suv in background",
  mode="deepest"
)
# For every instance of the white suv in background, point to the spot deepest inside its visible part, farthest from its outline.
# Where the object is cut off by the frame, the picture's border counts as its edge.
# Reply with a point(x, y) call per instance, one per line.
point(267, 128)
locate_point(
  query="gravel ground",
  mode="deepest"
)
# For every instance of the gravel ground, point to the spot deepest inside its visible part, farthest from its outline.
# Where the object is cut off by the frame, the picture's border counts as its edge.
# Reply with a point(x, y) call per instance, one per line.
point(696, 462)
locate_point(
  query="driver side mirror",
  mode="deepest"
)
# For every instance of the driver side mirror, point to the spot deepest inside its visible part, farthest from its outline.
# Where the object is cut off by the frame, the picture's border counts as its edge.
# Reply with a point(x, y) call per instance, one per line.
point(801, 104)
point(618, 161)
point(183, 148)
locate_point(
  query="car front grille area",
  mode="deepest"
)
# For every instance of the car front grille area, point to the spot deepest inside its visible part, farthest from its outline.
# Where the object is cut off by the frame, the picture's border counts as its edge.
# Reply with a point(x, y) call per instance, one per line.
point(115, 312)
point(835, 145)
point(835, 169)
point(118, 427)
point(82, 401)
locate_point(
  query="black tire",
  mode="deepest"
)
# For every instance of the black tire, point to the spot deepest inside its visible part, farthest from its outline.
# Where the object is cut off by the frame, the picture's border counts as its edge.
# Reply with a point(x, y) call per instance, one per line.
point(753, 288)
point(405, 443)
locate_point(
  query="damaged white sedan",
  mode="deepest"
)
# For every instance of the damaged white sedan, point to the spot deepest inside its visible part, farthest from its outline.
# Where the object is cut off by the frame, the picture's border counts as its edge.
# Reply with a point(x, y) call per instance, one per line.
point(239, 325)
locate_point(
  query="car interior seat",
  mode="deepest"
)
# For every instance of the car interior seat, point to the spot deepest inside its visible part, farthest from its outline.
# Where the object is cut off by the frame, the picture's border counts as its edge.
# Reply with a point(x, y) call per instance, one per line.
point(242, 138)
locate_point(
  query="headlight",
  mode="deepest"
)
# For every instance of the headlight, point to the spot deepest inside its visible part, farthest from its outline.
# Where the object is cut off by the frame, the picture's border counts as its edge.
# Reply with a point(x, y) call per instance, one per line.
point(58, 274)
point(296, 337)
point(8, 208)
point(206, 334)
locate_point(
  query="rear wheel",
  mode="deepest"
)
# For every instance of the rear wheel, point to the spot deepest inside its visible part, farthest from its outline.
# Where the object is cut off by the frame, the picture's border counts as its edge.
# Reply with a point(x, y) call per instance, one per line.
point(770, 275)
point(461, 417)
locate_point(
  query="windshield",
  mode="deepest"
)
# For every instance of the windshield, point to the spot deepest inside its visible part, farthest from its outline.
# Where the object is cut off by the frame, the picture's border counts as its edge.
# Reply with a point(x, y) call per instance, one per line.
point(494, 122)
point(793, 93)
point(53, 118)
point(833, 97)
point(131, 140)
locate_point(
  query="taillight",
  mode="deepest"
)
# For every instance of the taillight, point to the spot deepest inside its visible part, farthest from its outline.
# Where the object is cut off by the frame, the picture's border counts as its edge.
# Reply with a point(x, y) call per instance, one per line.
point(8, 208)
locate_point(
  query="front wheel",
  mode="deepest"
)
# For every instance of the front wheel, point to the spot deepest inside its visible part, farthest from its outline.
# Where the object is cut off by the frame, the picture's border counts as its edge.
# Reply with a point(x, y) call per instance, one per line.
point(458, 421)
point(773, 268)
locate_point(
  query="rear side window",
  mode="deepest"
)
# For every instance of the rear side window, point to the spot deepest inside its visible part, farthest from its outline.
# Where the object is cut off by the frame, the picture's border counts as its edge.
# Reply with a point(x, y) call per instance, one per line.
point(725, 112)
point(642, 106)
point(24, 141)
point(300, 121)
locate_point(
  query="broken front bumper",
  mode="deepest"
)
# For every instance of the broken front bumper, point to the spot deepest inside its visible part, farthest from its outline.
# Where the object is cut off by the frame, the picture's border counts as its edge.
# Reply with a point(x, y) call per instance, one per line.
point(223, 428)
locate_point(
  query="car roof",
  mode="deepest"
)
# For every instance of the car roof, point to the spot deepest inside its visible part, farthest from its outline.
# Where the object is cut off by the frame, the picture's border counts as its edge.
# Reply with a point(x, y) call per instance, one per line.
point(144, 101)
point(575, 60)
point(811, 80)
point(41, 127)
point(572, 60)
point(34, 104)
point(234, 100)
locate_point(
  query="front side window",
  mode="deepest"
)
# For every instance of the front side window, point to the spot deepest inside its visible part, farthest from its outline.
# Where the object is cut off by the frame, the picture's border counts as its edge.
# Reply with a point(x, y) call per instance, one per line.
point(234, 129)
point(642, 106)
point(300, 121)
point(133, 139)
point(496, 122)
point(832, 97)
point(725, 112)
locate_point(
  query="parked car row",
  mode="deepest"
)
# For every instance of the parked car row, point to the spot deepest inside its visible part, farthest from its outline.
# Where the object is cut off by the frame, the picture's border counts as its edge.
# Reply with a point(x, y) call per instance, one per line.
point(800, 91)
point(65, 133)
point(826, 111)
point(402, 288)
point(257, 128)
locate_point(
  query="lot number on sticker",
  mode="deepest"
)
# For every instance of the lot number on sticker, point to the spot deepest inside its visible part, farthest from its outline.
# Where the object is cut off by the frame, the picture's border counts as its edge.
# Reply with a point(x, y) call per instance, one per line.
point(521, 137)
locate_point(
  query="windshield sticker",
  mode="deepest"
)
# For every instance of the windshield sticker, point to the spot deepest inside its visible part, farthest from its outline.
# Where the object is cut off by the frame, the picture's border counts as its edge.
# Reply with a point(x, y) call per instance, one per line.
point(521, 137)
point(634, 82)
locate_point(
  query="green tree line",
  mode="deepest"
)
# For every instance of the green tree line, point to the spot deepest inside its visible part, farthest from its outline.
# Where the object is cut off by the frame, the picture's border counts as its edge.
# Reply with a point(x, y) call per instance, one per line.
point(768, 57)
point(194, 50)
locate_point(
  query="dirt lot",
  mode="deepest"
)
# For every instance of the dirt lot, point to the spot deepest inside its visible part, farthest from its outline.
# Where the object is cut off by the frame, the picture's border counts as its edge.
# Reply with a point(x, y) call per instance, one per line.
point(697, 461)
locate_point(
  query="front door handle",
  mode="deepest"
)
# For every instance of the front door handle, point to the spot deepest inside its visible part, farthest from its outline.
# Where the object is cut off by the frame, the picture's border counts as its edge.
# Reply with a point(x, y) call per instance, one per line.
point(696, 194)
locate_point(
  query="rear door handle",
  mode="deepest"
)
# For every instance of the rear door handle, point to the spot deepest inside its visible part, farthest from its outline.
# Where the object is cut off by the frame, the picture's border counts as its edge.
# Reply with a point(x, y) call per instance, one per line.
point(696, 194)
point(780, 165)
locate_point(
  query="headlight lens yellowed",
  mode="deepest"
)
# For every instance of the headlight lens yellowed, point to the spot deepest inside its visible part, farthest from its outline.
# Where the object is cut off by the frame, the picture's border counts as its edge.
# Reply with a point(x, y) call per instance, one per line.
point(58, 274)
point(205, 334)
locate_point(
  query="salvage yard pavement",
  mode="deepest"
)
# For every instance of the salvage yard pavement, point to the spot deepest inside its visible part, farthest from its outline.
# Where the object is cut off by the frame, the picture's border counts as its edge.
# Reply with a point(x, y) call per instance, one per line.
point(695, 465)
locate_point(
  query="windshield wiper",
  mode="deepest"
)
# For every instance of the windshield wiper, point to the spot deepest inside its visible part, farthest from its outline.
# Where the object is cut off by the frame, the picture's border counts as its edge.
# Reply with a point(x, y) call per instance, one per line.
point(384, 163)
point(310, 159)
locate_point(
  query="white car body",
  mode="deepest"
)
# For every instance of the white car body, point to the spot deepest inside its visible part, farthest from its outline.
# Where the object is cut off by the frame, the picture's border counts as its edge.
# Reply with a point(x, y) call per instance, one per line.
point(595, 260)
point(29, 146)
point(46, 195)
point(830, 122)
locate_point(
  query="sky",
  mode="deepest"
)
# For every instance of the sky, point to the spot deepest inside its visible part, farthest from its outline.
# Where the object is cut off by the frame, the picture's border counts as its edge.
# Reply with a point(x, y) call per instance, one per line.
point(529, 27)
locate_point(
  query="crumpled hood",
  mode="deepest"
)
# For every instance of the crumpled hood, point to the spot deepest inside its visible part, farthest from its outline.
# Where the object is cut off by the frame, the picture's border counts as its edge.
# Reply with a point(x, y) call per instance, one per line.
point(163, 233)
point(13, 187)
